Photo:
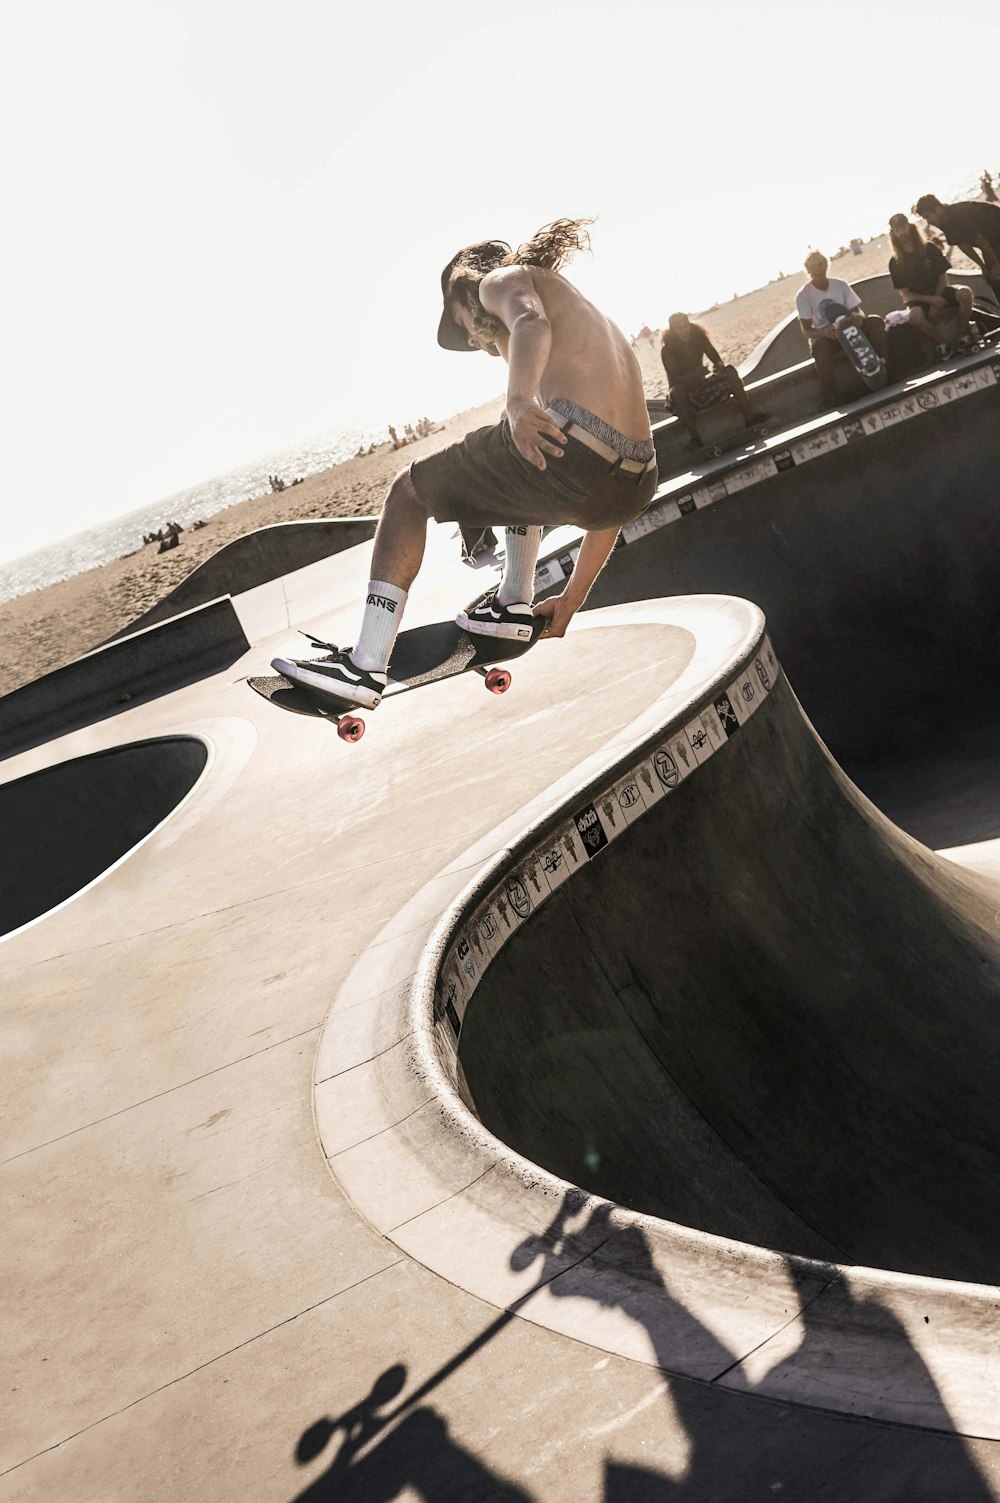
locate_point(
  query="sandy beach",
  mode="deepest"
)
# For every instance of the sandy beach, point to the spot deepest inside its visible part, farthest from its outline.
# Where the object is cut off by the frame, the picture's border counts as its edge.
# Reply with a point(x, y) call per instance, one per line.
point(49, 627)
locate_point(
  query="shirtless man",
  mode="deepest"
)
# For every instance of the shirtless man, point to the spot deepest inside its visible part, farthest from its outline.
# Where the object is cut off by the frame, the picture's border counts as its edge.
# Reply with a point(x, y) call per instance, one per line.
point(573, 446)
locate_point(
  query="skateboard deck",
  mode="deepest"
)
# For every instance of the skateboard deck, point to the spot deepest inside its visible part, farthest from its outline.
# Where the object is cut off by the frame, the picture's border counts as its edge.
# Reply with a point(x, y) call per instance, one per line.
point(856, 345)
point(423, 655)
point(736, 436)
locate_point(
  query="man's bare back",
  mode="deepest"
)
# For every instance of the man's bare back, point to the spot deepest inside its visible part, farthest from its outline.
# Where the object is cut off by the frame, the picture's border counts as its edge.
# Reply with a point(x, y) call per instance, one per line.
point(590, 362)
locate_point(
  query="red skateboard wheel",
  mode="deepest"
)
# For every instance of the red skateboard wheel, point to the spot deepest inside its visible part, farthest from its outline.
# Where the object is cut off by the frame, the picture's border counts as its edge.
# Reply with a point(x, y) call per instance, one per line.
point(497, 680)
point(350, 728)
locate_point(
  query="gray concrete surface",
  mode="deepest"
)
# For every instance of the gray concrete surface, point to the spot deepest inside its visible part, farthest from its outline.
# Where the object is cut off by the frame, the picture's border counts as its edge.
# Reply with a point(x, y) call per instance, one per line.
point(195, 1306)
point(201, 641)
point(264, 554)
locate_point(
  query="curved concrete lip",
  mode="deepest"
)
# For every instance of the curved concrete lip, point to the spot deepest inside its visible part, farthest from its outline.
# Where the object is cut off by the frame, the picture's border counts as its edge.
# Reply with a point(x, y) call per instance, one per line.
point(228, 744)
point(420, 1166)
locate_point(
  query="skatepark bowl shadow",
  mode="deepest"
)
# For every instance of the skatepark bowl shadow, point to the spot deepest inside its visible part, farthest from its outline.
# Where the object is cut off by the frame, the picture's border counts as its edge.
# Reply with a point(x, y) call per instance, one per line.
point(71, 823)
point(727, 1447)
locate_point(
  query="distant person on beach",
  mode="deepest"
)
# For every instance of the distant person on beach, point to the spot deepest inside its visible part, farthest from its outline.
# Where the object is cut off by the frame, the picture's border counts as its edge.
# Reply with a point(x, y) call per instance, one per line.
point(986, 183)
point(684, 348)
point(573, 446)
point(973, 227)
point(919, 273)
point(822, 336)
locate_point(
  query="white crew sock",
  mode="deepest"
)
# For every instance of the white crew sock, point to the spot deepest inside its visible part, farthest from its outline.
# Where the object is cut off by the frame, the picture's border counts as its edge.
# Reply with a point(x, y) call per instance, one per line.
point(518, 582)
point(379, 625)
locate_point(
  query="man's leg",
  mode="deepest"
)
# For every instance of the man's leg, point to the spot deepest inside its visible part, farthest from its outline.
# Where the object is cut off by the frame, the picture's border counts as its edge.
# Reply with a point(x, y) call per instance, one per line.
point(506, 611)
point(874, 328)
point(358, 676)
point(963, 311)
point(401, 535)
point(736, 387)
point(825, 354)
point(521, 554)
point(400, 539)
point(682, 407)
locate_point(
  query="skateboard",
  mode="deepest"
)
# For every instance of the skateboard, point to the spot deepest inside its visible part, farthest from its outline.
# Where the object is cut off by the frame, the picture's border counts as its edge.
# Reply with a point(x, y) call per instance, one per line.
point(423, 655)
point(738, 438)
point(856, 345)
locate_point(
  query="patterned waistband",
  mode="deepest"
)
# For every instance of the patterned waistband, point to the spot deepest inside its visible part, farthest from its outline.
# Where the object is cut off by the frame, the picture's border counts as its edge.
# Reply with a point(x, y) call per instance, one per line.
point(640, 449)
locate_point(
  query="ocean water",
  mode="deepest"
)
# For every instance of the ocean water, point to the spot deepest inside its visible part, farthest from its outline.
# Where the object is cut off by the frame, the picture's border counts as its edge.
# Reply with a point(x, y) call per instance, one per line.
point(121, 535)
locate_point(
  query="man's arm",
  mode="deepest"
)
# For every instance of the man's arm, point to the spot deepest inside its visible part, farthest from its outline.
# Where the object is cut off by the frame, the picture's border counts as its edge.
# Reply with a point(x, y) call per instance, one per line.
point(982, 252)
point(934, 298)
point(595, 551)
point(509, 293)
point(812, 333)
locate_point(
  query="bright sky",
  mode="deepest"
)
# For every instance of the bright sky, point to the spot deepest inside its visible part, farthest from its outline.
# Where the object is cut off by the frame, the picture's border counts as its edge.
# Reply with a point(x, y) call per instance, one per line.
point(228, 218)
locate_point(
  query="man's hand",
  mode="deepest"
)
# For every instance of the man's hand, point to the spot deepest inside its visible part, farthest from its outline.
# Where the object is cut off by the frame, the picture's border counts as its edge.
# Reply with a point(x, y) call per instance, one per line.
point(535, 434)
point(558, 613)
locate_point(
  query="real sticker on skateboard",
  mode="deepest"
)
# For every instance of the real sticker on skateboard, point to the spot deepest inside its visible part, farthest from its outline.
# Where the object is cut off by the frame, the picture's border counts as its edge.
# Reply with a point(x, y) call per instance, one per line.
point(422, 655)
point(856, 345)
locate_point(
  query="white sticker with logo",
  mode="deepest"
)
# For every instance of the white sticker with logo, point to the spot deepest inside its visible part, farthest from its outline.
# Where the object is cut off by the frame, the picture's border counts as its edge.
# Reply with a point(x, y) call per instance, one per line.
point(488, 929)
point(630, 800)
point(699, 738)
point(561, 856)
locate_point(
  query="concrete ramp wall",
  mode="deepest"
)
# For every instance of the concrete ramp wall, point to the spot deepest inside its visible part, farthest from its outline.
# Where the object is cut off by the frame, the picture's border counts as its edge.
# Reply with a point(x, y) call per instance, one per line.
point(764, 1013)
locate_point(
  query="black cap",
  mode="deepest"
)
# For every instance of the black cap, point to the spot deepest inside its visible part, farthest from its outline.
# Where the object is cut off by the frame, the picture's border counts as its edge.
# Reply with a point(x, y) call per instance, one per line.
point(484, 256)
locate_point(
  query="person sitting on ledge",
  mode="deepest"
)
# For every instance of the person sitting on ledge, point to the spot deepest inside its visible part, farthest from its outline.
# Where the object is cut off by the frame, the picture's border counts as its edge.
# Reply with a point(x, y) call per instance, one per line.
point(824, 345)
point(574, 447)
point(919, 272)
point(684, 348)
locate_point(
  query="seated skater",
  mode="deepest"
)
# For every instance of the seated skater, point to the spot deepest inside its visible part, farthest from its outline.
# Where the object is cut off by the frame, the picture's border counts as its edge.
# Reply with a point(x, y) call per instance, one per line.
point(822, 336)
point(573, 446)
point(684, 349)
point(919, 272)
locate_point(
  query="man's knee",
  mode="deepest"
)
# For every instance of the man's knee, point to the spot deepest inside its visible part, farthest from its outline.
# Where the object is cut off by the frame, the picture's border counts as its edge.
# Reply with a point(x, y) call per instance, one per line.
point(874, 328)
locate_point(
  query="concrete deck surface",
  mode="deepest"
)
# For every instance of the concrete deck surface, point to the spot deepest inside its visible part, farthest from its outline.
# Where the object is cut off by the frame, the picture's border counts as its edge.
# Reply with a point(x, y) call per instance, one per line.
point(195, 1307)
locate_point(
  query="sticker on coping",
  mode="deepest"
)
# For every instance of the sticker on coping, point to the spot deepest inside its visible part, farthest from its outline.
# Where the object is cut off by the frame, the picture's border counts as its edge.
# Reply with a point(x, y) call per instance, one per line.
point(590, 830)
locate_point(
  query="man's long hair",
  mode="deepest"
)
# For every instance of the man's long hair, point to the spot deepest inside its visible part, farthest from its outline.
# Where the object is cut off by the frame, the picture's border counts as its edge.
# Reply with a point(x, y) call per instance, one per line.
point(919, 241)
point(669, 333)
point(549, 249)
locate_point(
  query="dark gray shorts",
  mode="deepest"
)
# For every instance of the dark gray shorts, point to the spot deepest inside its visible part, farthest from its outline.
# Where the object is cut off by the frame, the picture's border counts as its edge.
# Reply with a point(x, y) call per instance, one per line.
point(484, 482)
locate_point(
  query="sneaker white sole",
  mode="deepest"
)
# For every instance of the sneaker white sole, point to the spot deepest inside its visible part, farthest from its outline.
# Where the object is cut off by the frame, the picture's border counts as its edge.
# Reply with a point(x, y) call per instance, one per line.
point(510, 632)
point(349, 694)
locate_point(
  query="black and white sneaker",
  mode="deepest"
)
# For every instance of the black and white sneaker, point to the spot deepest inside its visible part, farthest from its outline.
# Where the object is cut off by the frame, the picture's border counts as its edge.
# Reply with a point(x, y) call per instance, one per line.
point(491, 619)
point(336, 677)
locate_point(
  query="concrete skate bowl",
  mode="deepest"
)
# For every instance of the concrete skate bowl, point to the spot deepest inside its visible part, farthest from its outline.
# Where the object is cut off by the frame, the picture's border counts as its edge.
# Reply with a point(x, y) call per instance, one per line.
point(65, 826)
point(877, 565)
point(254, 559)
point(697, 1043)
point(762, 1013)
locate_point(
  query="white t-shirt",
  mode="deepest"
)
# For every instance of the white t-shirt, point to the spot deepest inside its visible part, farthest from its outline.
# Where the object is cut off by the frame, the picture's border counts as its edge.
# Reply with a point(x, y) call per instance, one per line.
point(808, 299)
